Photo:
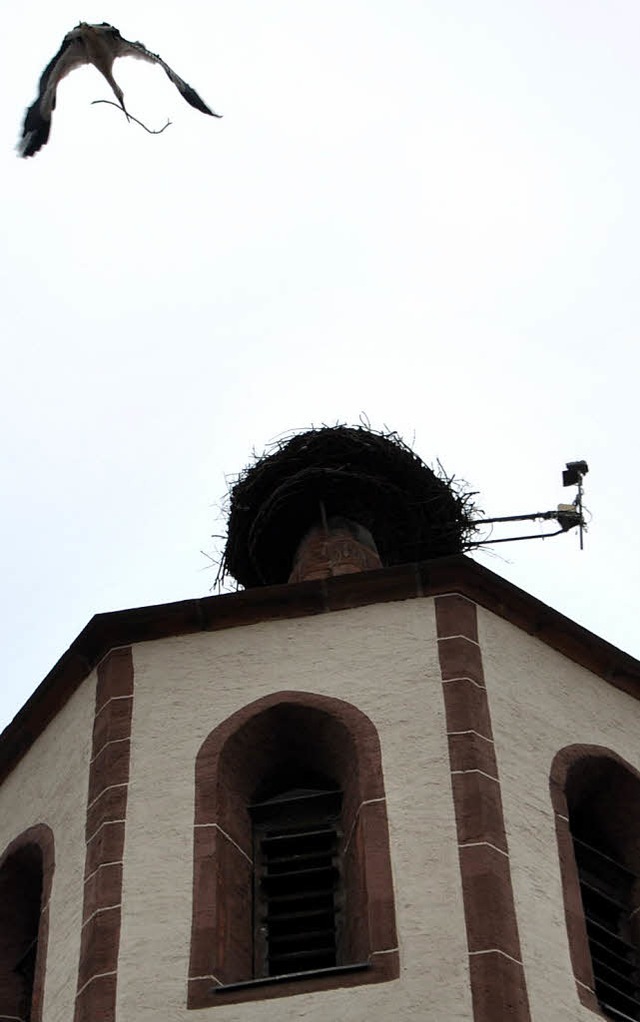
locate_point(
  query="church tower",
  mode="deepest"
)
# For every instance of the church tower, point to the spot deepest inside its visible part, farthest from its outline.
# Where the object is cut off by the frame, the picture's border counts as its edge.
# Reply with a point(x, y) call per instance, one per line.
point(378, 781)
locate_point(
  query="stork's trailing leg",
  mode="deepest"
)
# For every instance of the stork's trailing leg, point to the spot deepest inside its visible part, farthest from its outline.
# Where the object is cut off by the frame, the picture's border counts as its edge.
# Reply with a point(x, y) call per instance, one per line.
point(118, 93)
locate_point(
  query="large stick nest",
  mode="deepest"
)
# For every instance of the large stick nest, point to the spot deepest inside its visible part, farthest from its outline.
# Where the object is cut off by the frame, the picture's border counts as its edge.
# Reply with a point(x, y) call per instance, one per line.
point(372, 478)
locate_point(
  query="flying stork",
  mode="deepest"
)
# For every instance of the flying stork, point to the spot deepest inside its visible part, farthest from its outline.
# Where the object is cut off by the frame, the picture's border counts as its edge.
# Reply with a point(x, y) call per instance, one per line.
point(99, 45)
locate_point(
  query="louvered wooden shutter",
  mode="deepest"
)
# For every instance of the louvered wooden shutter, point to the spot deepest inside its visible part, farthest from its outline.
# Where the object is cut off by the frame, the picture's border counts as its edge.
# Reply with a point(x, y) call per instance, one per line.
point(298, 883)
point(606, 888)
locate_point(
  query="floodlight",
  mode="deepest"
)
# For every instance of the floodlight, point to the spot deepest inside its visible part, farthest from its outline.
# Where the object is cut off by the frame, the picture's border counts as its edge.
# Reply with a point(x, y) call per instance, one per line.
point(574, 473)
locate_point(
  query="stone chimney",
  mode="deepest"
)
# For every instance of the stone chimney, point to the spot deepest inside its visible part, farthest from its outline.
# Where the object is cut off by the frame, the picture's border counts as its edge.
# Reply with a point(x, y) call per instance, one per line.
point(339, 547)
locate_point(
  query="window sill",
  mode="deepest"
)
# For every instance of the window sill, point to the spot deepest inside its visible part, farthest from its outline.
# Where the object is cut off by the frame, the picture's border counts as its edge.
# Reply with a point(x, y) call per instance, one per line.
point(289, 977)
point(381, 968)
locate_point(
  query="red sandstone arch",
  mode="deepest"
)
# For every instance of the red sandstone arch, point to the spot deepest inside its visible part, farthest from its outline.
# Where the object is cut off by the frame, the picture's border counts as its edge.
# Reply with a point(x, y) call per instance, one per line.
point(321, 733)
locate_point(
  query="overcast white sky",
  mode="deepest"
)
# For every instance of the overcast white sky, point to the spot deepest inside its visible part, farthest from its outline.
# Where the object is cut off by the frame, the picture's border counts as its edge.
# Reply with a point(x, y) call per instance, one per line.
point(424, 210)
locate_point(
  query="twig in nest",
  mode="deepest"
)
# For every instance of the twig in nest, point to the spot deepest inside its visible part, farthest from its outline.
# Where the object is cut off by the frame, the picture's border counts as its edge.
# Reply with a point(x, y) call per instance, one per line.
point(131, 117)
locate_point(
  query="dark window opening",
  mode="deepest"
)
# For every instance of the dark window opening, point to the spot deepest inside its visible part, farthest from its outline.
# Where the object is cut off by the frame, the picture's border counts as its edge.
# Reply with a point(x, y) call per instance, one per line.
point(25, 968)
point(603, 799)
point(298, 888)
point(21, 883)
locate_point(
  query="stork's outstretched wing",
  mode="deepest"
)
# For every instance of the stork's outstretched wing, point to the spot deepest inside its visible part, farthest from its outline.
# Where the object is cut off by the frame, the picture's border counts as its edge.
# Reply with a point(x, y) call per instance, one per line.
point(99, 45)
point(37, 121)
point(139, 50)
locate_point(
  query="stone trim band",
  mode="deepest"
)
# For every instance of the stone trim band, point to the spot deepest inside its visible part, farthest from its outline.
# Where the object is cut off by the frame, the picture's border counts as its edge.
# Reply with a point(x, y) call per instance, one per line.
point(104, 835)
point(498, 986)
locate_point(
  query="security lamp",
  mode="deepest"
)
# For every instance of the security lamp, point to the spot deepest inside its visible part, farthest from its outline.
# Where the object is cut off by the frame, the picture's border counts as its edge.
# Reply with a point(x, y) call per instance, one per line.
point(574, 472)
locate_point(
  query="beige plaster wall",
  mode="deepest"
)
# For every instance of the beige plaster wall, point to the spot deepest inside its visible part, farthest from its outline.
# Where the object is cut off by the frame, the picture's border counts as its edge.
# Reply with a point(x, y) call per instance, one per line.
point(384, 660)
point(49, 785)
point(541, 702)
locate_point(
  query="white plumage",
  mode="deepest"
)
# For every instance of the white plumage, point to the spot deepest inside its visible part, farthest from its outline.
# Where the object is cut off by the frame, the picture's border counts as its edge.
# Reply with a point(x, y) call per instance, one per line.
point(99, 45)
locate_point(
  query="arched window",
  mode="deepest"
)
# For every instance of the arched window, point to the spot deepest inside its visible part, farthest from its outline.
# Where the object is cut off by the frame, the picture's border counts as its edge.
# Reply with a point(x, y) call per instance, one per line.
point(292, 876)
point(598, 819)
point(26, 873)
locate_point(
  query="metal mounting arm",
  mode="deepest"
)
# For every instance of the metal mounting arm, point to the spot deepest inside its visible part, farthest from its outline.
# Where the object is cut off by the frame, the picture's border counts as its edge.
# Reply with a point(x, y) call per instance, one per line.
point(568, 516)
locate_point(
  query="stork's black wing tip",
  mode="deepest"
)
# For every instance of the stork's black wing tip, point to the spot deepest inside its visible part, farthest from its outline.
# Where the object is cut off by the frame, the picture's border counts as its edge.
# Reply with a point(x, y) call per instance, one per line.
point(194, 99)
point(35, 132)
